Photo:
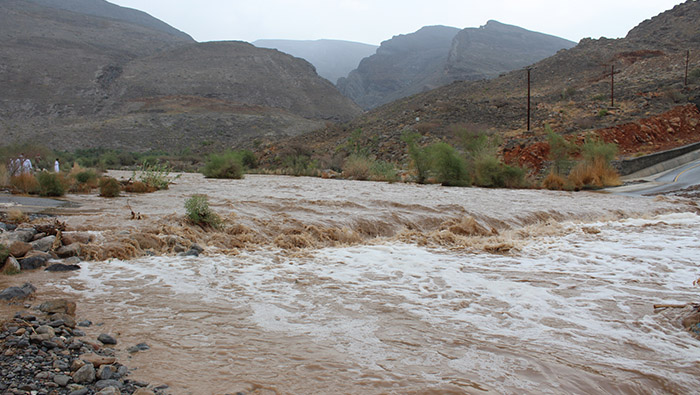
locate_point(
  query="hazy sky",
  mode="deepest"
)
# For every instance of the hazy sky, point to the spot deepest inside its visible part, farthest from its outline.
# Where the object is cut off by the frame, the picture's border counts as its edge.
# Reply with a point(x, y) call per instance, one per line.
point(373, 21)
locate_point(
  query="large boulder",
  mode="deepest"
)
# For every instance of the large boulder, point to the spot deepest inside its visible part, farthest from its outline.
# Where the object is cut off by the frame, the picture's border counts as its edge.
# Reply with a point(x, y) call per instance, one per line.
point(44, 244)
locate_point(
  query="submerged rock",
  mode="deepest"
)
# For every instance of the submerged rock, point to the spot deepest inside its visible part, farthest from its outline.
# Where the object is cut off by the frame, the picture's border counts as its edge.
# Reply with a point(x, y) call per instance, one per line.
point(61, 267)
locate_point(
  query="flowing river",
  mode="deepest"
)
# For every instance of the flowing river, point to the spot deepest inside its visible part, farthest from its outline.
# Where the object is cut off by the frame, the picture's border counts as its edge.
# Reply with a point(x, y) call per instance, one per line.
point(361, 287)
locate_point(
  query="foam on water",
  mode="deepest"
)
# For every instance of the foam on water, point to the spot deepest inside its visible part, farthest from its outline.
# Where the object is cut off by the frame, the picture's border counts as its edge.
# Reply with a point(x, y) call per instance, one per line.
point(569, 312)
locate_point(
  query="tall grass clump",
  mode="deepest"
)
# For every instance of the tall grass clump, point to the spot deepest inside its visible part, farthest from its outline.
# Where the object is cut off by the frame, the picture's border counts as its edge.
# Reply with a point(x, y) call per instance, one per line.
point(51, 184)
point(4, 176)
point(25, 183)
point(595, 171)
point(357, 167)
point(225, 165)
point(199, 213)
point(109, 187)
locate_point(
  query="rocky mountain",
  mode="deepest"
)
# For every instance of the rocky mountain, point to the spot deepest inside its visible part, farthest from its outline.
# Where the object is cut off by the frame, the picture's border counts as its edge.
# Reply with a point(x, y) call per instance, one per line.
point(333, 59)
point(571, 92)
point(117, 78)
point(402, 66)
point(105, 9)
point(437, 55)
point(495, 48)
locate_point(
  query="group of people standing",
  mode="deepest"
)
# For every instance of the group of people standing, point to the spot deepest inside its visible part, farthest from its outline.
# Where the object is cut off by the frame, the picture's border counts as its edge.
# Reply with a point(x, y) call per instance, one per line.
point(23, 165)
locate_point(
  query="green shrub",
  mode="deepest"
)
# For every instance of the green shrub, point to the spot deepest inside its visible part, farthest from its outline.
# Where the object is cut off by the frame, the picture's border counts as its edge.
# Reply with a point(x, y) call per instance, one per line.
point(156, 175)
point(449, 166)
point(86, 176)
point(50, 184)
point(694, 76)
point(226, 165)
point(299, 165)
point(109, 187)
point(199, 213)
point(357, 167)
point(595, 149)
point(560, 151)
point(4, 253)
point(602, 113)
point(420, 156)
point(383, 171)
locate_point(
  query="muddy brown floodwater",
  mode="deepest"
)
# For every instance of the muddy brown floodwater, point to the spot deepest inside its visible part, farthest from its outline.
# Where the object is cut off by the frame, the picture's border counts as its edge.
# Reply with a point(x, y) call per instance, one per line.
point(331, 286)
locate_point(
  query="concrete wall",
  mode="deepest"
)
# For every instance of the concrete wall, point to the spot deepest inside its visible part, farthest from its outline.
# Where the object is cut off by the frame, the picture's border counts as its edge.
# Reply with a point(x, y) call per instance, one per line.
point(629, 166)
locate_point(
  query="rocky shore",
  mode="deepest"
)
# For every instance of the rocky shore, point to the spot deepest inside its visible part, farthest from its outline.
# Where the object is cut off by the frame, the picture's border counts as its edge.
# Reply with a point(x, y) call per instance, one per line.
point(45, 350)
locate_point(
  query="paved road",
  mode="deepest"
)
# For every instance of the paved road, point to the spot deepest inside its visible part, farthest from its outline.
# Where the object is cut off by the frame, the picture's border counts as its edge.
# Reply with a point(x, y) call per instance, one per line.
point(671, 181)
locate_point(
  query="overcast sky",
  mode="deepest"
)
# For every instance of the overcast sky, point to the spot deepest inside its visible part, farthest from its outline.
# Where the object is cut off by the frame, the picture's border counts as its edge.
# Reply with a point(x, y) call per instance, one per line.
point(373, 21)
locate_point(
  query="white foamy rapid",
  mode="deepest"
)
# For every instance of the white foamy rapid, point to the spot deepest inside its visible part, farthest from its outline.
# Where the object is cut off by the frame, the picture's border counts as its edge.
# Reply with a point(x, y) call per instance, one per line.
point(569, 313)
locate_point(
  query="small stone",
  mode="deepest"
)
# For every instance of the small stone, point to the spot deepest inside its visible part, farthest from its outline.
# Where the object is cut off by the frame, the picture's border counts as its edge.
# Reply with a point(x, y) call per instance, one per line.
point(74, 260)
point(108, 383)
point(11, 266)
point(80, 391)
point(138, 347)
point(58, 306)
point(68, 320)
point(107, 339)
point(68, 251)
point(56, 323)
point(106, 372)
point(46, 329)
point(43, 375)
point(109, 391)
point(143, 391)
point(44, 244)
point(97, 360)
point(19, 249)
point(76, 364)
point(61, 379)
point(85, 375)
point(78, 333)
point(85, 323)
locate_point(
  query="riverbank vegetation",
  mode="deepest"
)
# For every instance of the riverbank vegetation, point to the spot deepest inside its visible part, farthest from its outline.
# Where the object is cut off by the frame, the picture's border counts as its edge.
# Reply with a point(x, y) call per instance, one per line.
point(471, 160)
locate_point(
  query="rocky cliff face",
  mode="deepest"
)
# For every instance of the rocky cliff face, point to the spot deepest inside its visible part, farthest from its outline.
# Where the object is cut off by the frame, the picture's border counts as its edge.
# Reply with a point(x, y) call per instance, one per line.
point(333, 59)
point(116, 78)
point(438, 55)
point(495, 48)
point(402, 66)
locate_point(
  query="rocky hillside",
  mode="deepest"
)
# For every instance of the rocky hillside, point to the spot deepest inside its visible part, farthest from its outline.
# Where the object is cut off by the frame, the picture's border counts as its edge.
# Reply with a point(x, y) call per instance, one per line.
point(101, 78)
point(437, 55)
point(333, 59)
point(105, 9)
point(402, 66)
point(495, 48)
point(570, 92)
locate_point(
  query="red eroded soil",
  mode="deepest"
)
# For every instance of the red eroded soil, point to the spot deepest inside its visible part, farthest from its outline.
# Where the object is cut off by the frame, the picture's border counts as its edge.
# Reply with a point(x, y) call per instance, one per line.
point(675, 128)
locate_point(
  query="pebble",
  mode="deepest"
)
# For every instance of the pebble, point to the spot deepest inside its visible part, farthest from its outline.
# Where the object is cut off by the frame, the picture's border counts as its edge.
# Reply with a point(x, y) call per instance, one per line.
point(107, 339)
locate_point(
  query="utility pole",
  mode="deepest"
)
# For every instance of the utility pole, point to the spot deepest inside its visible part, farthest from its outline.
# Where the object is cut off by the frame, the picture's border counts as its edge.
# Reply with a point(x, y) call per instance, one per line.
point(687, 60)
point(612, 86)
point(528, 99)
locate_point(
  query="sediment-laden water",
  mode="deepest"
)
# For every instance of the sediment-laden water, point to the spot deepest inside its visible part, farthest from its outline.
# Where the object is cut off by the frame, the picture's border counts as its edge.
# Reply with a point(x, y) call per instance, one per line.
point(417, 298)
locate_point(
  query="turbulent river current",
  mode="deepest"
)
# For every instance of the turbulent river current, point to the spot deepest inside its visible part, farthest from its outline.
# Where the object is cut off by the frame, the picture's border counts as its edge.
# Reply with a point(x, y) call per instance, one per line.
point(362, 287)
